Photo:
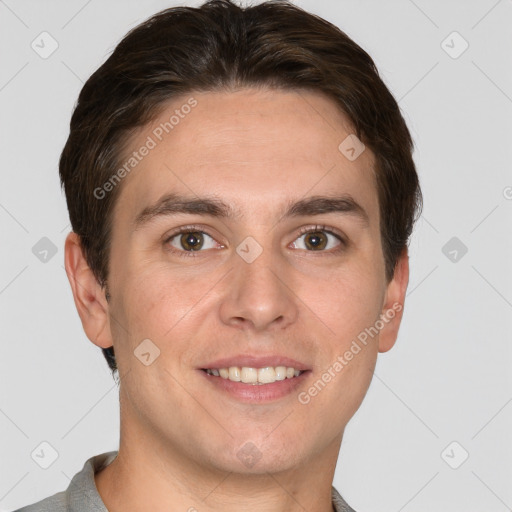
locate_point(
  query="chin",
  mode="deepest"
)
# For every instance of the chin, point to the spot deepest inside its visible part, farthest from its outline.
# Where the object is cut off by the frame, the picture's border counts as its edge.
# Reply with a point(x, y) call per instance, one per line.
point(258, 457)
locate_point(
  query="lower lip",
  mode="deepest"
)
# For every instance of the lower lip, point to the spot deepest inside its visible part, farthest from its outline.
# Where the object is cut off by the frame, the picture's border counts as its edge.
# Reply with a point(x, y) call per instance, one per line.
point(256, 393)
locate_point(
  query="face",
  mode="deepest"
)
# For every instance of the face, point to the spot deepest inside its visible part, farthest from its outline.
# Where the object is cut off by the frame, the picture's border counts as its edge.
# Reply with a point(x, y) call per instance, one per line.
point(226, 258)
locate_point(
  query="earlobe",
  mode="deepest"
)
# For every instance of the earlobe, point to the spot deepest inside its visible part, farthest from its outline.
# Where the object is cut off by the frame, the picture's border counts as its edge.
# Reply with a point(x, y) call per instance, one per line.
point(393, 308)
point(88, 295)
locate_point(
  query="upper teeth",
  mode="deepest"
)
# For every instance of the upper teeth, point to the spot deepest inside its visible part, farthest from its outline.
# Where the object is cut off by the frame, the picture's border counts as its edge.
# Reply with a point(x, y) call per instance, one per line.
point(249, 375)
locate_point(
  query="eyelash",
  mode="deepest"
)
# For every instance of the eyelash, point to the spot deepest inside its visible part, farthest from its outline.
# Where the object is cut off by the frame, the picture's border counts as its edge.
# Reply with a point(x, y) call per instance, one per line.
point(303, 231)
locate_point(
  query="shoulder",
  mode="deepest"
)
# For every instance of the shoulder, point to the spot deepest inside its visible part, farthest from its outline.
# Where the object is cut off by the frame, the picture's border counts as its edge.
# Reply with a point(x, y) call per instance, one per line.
point(339, 504)
point(81, 494)
point(55, 503)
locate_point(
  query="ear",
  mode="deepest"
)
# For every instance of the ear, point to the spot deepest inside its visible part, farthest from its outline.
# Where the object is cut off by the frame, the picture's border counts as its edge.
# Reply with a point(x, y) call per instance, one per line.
point(393, 308)
point(90, 300)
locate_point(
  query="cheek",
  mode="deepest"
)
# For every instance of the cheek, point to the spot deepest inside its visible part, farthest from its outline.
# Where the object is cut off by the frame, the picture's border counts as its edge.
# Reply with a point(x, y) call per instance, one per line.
point(349, 301)
point(162, 306)
point(335, 395)
point(146, 294)
point(355, 309)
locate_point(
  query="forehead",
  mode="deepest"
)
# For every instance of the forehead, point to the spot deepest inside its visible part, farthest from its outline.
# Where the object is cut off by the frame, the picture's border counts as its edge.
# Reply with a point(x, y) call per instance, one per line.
point(266, 146)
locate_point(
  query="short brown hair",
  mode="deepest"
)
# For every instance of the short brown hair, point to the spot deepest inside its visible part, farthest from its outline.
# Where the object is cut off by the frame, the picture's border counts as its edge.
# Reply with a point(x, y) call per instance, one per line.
point(222, 46)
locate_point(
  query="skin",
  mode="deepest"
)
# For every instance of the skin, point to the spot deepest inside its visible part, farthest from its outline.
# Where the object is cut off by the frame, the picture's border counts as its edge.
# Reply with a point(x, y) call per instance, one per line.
point(256, 150)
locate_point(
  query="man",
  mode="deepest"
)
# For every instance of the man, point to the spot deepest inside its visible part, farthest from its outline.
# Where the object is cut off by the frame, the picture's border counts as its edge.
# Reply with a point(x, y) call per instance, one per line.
point(241, 191)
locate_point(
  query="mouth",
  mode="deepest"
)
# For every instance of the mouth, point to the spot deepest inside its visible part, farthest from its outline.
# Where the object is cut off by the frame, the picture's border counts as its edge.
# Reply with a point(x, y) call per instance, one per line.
point(254, 376)
point(255, 379)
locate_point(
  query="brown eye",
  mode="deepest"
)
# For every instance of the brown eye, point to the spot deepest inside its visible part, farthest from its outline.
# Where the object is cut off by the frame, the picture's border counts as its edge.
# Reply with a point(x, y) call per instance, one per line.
point(191, 241)
point(318, 240)
point(315, 240)
point(187, 241)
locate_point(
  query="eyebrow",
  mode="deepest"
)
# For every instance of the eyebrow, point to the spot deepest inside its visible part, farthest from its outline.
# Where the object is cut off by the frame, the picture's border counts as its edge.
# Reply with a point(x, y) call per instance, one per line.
point(172, 204)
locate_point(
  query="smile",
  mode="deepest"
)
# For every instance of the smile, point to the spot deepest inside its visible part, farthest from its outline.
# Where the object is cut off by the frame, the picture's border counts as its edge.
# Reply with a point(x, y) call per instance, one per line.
point(255, 376)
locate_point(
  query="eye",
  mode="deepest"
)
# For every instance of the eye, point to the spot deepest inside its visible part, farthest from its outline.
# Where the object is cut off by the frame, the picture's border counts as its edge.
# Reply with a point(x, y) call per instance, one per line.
point(190, 239)
point(319, 239)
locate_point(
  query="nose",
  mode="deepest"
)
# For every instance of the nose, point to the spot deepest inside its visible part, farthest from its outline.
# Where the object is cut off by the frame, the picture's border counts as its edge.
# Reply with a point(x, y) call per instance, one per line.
point(259, 294)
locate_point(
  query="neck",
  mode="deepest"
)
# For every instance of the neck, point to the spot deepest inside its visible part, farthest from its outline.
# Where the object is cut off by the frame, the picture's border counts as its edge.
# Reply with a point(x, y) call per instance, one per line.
point(150, 474)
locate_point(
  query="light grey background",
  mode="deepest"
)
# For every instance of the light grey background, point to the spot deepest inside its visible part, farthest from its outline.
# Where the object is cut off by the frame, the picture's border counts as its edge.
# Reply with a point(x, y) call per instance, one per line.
point(448, 377)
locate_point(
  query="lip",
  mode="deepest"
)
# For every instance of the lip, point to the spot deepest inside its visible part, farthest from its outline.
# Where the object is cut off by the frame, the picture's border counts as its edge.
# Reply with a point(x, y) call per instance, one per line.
point(251, 361)
point(255, 394)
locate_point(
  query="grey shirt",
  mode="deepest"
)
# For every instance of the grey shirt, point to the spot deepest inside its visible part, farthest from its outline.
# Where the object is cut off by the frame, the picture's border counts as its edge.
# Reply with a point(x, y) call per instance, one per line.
point(82, 495)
